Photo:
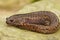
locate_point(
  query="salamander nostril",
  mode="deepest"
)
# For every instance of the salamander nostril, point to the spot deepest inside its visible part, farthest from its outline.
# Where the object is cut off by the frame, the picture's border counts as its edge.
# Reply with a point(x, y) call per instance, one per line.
point(11, 20)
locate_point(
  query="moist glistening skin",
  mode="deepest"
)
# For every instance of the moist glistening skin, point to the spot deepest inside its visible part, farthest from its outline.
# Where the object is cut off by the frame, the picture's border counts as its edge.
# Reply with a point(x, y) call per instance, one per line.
point(41, 21)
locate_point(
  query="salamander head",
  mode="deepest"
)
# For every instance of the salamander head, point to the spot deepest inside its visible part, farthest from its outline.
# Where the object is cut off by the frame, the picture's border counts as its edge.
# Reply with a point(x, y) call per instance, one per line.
point(14, 20)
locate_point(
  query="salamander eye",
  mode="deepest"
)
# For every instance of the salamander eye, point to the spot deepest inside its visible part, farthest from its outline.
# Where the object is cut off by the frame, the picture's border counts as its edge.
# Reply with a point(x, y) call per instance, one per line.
point(11, 20)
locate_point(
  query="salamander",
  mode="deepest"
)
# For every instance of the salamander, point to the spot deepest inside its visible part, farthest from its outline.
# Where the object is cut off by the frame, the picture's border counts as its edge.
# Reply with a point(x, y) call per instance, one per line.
point(41, 21)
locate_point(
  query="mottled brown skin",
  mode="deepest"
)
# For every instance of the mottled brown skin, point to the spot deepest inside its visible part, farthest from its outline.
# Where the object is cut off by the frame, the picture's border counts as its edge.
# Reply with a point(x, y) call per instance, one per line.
point(41, 21)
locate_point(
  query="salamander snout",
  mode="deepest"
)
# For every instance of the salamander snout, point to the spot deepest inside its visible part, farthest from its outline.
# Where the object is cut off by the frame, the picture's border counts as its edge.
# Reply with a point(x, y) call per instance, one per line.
point(10, 21)
point(14, 21)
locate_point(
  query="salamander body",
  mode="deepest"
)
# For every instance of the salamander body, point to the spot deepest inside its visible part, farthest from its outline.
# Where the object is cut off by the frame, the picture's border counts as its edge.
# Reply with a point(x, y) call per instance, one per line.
point(41, 21)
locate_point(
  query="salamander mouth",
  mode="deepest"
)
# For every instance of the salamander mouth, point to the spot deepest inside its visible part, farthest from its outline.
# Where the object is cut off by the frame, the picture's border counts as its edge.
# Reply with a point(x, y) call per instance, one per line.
point(10, 21)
